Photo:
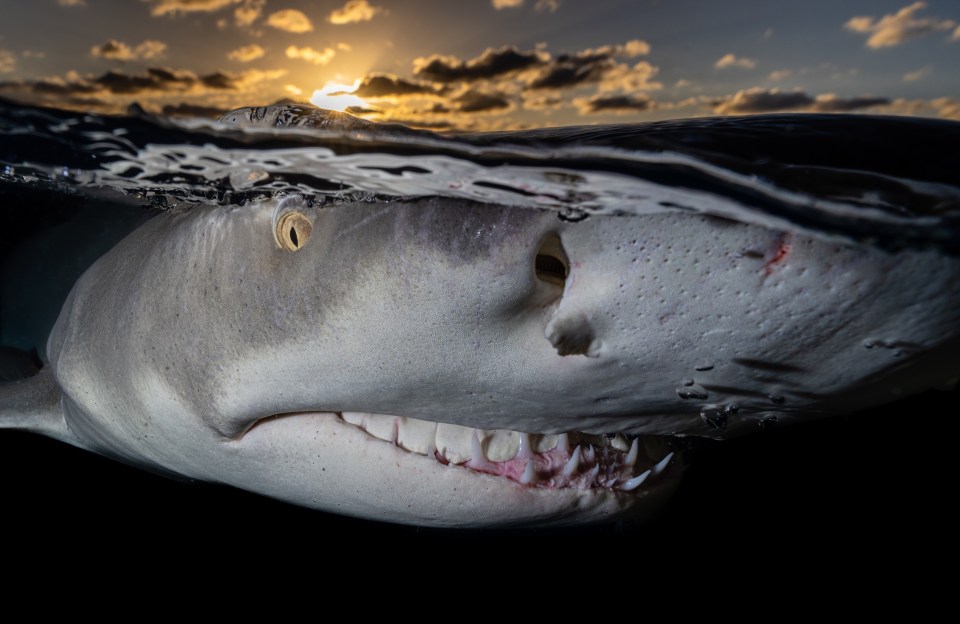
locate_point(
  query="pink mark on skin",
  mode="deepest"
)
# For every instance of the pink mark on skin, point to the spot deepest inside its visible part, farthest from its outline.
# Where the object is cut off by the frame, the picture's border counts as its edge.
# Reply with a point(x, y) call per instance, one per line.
point(782, 252)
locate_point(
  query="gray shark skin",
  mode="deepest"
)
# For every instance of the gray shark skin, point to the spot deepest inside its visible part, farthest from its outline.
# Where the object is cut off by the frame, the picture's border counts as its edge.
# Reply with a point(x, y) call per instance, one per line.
point(207, 345)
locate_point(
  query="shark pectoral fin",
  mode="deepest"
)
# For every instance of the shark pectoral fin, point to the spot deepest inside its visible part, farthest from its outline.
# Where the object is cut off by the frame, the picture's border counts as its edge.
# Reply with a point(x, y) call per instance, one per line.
point(33, 404)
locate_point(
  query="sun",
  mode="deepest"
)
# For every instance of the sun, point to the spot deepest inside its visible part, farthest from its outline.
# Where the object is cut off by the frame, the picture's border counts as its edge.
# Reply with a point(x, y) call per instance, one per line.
point(338, 96)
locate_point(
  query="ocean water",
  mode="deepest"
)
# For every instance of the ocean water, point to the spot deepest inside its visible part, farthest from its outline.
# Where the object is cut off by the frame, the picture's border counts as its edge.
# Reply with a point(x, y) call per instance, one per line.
point(73, 184)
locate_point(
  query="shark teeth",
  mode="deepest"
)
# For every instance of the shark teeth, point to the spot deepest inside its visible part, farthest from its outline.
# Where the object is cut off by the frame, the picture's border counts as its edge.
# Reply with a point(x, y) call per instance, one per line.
point(613, 462)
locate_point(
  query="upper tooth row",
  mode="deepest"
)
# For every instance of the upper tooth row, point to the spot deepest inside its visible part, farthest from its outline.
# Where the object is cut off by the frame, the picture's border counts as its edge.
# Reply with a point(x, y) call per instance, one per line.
point(457, 443)
point(454, 442)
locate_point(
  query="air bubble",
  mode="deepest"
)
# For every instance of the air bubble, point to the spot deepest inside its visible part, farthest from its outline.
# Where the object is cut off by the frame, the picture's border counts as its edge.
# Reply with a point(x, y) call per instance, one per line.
point(692, 392)
point(714, 416)
point(768, 422)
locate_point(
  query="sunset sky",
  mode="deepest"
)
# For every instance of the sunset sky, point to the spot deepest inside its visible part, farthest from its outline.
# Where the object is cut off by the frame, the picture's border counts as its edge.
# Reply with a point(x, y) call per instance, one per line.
point(487, 64)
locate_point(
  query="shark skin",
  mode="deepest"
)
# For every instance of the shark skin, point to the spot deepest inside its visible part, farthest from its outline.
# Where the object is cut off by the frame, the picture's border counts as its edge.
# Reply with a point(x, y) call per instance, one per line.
point(208, 346)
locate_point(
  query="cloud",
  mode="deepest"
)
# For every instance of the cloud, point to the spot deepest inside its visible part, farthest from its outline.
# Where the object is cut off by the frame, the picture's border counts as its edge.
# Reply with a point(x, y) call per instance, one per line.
point(8, 61)
point(290, 20)
point(596, 65)
point(623, 78)
point(507, 4)
point(758, 100)
point(72, 3)
point(492, 63)
point(306, 53)
point(956, 35)
point(619, 104)
point(119, 51)
point(173, 7)
point(543, 101)
point(480, 102)
point(948, 108)
point(731, 60)
point(249, 12)
point(917, 74)
point(779, 74)
point(893, 29)
point(354, 11)
point(116, 88)
point(385, 85)
point(636, 47)
point(547, 5)
point(246, 53)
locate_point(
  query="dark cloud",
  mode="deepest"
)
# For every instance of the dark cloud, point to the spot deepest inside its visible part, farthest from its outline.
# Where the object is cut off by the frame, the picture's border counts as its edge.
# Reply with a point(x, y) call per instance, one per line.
point(155, 79)
point(383, 85)
point(191, 110)
point(589, 66)
point(479, 102)
point(114, 89)
point(491, 64)
point(360, 110)
point(569, 74)
point(771, 100)
point(840, 105)
point(49, 87)
point(615, 103)
point(219, 80)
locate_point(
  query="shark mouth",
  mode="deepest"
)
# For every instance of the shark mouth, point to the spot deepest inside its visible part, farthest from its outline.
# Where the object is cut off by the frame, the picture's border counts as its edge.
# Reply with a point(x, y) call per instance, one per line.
point(567, 460)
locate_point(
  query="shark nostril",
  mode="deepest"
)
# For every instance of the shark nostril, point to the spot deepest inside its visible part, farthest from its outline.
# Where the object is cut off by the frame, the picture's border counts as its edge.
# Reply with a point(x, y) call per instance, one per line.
point(293, 231)
point(551, 264)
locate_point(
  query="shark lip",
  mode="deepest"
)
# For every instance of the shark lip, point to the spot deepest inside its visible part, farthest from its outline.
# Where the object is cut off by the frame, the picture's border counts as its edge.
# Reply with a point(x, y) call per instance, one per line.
point(566, 461)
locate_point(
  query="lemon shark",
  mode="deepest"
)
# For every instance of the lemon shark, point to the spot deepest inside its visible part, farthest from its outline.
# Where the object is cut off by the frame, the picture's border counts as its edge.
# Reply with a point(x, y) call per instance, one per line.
point(445, 362)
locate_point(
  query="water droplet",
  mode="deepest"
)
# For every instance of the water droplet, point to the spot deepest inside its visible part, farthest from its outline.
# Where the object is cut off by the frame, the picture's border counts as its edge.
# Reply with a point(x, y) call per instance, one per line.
point(8, 170)
point(688, 382)
point(703, 367)
point(692, 392)
point(777, 398)
point(768, 422)
point(869, 343)
point(714, 416)
point(731, 409)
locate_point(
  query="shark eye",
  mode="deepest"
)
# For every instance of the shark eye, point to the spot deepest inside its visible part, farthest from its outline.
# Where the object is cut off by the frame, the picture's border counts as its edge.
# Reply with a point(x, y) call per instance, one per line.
point(293, 230)
point(551, 264)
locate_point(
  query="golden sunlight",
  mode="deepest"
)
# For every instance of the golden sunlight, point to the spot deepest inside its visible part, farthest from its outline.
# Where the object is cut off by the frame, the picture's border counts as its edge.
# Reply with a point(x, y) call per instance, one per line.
point(338, 96)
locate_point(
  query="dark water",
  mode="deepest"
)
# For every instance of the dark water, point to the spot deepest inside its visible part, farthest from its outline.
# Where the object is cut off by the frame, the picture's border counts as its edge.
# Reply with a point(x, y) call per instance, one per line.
point(71, 185)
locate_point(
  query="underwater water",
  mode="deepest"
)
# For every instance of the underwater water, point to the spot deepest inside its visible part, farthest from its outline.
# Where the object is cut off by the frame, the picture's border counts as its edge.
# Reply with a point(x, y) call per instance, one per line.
point(72, 185)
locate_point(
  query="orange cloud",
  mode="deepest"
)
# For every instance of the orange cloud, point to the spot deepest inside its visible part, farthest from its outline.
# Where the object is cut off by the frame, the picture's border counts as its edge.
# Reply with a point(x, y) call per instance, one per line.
point(290, 20)
point(306, 53)
point(354, 11)
point(8, 61)
point(173, 7)
point(732, 60)
point(893, 29)
point(248, 12)
point(119, 51)
point(246, 54)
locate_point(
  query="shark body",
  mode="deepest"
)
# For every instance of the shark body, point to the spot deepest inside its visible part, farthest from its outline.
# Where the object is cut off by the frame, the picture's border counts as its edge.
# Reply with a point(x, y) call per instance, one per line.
point(446, 362)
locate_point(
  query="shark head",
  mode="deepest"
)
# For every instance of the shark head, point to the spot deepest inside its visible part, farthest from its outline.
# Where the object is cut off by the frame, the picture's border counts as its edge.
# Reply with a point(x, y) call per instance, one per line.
point(451, 363)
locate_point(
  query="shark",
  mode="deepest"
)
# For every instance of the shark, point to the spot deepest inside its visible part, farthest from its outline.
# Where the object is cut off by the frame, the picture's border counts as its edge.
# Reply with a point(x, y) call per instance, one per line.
point(447, 362)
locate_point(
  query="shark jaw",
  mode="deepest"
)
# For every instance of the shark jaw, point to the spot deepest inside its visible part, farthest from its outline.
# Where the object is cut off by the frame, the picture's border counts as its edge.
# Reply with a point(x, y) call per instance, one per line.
point(565, 461)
